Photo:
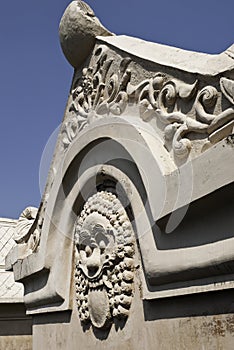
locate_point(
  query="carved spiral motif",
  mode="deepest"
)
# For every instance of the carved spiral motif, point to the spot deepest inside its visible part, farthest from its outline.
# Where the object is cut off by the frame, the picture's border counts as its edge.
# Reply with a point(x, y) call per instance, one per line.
point(167, 96)
point(104, 250)
point(208, 96)
point(180, 109)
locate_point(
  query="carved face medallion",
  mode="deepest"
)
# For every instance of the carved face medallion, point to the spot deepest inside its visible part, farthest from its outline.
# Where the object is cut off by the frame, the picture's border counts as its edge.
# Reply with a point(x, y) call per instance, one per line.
point(104, 245)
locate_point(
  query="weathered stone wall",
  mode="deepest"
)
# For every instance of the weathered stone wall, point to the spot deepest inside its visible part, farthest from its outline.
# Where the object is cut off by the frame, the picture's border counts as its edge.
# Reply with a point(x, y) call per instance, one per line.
point(161, 331)
point(16, 342)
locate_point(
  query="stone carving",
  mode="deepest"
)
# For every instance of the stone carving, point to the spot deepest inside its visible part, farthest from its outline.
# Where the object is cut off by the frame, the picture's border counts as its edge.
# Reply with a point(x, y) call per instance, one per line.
point(104, 250)
point(93, 96)
point(227, 87)
point(26, 231)
point(77, 30)
point(182, 109)
point(163, 98)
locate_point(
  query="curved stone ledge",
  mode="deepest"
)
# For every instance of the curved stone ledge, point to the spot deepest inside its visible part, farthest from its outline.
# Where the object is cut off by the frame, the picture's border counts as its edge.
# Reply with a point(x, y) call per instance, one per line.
point(186, 61)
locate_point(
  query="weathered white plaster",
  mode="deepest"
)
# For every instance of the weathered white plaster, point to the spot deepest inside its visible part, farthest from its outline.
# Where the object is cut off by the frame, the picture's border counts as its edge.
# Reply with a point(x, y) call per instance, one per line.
point(148, 132)
point(188, 61)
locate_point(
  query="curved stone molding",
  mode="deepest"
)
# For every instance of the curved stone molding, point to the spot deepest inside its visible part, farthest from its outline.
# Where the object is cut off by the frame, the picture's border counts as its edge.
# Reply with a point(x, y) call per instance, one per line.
point(104, 250)
point(190, 116)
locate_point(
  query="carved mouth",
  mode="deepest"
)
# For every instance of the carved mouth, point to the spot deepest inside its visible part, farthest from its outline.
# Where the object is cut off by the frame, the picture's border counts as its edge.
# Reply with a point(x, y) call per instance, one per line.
point(95, 274)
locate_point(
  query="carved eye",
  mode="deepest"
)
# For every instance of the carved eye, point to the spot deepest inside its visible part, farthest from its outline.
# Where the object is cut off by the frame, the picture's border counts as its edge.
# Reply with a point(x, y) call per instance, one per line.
point(102, 241)
point(102, 246)
point(88, 251)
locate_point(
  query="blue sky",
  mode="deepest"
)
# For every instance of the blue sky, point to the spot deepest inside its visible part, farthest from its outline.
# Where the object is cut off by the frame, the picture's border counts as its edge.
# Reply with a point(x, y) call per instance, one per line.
point(35, 77)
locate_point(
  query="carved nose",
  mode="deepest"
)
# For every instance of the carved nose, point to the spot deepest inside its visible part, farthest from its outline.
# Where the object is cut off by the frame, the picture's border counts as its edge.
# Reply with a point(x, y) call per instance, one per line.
point(94, 262)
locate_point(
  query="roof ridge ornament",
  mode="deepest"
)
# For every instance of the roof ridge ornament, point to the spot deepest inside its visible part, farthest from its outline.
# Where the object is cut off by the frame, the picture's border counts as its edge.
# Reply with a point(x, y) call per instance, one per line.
point(77, 31)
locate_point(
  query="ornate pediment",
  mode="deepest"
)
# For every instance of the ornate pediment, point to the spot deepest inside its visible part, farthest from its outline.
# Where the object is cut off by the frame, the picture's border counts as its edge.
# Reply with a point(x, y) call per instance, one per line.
point(145, 149)
point(190, 112)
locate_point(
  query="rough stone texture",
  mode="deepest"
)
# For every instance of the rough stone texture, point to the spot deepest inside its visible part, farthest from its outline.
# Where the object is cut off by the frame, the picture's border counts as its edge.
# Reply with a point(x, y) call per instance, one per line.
point(23, 342)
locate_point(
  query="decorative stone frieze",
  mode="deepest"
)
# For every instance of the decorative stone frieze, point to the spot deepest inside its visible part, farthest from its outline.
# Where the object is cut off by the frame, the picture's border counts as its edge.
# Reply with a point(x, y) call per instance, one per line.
point(189, 115)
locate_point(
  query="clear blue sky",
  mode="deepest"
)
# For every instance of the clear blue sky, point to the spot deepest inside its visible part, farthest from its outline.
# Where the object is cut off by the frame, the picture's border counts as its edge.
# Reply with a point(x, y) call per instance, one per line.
point(35, 77)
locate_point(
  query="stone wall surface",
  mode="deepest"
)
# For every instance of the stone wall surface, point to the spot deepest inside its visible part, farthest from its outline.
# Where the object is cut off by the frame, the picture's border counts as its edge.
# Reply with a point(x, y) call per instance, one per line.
point(177, 333)
point(21, 342)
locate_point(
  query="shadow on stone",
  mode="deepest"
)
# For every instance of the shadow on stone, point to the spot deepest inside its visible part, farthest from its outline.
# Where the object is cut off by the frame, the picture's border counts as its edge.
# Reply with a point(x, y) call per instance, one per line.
point(205, 304)
point(53, 318)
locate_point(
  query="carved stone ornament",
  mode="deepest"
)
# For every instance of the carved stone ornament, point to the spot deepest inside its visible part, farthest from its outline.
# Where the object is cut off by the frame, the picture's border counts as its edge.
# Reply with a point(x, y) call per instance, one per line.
point(185, 112)
point(77, 30)
point(104, 250)
point(27, 231)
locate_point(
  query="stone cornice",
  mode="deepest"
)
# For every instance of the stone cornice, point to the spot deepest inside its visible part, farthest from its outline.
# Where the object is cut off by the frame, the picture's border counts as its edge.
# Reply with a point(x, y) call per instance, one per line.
point(184, 60)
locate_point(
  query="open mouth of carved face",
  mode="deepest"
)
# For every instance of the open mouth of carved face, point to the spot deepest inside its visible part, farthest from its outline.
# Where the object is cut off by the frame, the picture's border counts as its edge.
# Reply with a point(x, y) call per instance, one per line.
point(96, 245)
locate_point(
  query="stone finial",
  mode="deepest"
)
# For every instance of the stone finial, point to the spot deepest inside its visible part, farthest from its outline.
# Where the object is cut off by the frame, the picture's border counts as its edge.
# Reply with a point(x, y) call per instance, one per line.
point(77, 30)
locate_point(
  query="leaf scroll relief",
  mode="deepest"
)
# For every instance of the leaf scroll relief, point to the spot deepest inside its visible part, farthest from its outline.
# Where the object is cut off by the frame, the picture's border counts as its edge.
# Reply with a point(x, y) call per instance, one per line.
point(104, 261)
point(94, 95)
point(183, 109)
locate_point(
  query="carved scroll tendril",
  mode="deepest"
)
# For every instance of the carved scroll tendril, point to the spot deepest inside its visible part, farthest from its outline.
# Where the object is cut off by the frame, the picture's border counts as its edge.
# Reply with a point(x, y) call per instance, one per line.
point(105, 89)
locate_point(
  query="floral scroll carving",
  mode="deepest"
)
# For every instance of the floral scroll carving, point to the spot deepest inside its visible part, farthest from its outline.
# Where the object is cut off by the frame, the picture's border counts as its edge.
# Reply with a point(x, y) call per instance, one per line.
point(94, 95)
point(104, 265)
point(164, 99)
point(183, 109)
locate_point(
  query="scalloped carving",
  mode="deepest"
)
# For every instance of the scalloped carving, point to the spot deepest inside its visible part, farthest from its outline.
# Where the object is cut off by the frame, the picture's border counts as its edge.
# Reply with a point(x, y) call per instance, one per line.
point(104, 250)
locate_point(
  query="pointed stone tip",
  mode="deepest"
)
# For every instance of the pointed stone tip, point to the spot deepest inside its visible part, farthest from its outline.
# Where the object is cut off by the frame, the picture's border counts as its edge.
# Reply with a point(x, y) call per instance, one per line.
point(77, 31)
